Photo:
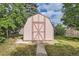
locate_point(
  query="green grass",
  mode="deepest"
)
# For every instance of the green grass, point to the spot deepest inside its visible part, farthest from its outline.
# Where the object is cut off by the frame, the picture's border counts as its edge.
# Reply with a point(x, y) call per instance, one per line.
point(7, 47)
point(24, 50)
point(10, 48)
point(66, 46)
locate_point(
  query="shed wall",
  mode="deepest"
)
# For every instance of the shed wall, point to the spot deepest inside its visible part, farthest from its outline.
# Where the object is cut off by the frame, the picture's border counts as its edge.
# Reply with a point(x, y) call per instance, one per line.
point(28, 28)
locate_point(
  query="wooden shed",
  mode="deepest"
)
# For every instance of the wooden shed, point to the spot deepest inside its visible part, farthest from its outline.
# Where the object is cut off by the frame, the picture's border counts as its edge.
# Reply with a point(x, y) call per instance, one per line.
point(72, 32)
point(38, 27)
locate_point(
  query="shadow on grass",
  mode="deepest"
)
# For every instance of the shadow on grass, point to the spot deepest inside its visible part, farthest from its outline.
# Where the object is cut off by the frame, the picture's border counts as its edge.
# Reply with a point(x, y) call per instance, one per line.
point(28, 50)
point(61, 50)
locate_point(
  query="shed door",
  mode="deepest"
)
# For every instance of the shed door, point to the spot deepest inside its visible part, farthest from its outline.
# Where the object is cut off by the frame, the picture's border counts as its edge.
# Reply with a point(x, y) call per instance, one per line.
point(38, 30)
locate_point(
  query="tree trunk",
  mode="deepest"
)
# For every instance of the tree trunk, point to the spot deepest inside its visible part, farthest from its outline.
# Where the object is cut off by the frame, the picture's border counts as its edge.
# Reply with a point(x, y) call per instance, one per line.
point(7, 33)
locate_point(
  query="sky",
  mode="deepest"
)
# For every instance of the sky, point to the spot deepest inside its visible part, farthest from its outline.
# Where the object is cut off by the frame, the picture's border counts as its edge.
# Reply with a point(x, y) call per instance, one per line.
point(51, 10)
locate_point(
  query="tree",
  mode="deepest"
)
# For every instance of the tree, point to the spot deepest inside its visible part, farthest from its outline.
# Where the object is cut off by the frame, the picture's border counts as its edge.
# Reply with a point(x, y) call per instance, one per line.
point(14, 16)
point(59, 29)
point(71, 15)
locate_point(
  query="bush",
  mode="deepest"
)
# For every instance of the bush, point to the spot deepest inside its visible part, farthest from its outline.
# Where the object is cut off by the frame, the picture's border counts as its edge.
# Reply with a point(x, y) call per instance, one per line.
point(59, 29)
point(2, 39)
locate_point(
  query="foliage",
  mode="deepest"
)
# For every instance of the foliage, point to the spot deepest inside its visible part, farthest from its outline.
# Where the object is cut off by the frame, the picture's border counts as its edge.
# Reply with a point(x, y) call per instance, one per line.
point(59, 29)
point(2, 39)
point(13, 17)
point(71, 15)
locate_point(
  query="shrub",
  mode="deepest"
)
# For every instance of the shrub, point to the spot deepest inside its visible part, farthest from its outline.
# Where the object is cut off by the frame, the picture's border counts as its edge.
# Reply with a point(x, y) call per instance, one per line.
point(2, 39)
point(59, 29)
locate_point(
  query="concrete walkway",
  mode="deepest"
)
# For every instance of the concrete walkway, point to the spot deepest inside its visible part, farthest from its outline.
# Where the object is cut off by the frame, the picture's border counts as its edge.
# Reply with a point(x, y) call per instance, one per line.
point(40, 51)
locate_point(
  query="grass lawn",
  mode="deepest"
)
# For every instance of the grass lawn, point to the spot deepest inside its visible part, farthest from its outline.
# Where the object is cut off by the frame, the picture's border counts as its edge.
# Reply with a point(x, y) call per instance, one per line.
point(65, 47)
point(24, 50)
point(9, 48)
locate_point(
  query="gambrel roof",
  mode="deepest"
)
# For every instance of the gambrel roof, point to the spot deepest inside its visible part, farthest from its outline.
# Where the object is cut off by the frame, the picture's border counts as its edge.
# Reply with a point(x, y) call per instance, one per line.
point(22, 29)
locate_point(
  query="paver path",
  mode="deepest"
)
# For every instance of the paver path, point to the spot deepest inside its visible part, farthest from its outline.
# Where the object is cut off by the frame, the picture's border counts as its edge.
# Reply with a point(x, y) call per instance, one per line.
point(40, 51)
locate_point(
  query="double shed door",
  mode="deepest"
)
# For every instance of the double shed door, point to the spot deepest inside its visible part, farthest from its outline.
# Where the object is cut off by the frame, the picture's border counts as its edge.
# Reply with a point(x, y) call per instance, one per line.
point(38, 29)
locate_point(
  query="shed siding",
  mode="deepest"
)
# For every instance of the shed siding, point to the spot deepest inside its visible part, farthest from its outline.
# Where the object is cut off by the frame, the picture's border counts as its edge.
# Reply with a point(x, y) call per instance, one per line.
point(28, 30)
point(28, 27)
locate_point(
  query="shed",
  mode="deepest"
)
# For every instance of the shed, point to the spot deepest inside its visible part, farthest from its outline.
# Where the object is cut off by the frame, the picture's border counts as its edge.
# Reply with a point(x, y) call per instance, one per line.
point(72, 32)
point(38, 27)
